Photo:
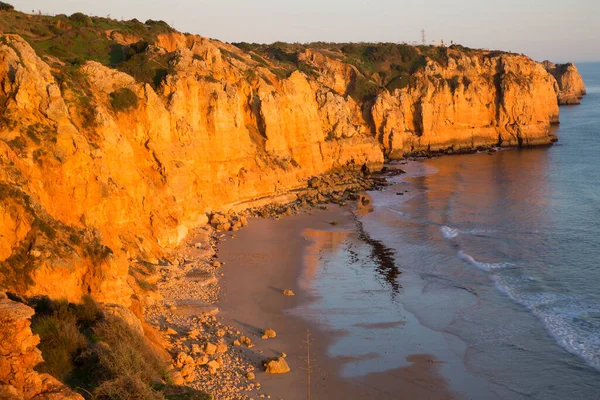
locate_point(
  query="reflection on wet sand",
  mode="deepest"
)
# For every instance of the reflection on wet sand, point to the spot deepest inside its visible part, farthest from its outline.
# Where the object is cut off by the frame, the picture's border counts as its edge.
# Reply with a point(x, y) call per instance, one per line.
point(332, 241)
point(422, 377)
point(384, 258)
point(321, 241)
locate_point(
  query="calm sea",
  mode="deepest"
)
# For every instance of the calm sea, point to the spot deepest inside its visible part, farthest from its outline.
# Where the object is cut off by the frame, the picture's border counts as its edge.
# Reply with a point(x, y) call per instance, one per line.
point(489, 262)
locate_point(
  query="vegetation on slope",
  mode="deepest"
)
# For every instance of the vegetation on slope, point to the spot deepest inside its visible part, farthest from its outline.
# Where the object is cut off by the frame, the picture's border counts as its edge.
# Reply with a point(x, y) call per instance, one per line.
point(380, 65)
point(69, 41)
point(98, 356)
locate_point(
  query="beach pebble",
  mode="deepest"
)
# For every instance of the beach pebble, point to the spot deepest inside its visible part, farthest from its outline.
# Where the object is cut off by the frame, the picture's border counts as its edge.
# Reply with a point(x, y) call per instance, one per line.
point(171, 331)
point(250, 375)
point(193, 334)
point(216, 264)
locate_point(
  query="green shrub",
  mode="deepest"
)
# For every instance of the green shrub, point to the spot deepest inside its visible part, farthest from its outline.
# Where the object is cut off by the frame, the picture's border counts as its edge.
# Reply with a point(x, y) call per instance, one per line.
point(5, 6)
point(363, 89)
point(123, 99)
point(454, 83)
point(126, 387)
point(467, 82)
point(126, 353)
point(145, 285)
point(103, 356)
point(88, 312)
point(159, 27)
point(60, 343)
point(398, 83)
point(18, 143)
point(148, 69)
point(81, 19)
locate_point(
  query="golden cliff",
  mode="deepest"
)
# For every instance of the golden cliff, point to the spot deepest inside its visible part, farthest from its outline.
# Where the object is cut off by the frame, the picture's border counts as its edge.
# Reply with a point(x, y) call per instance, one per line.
point(86, 188)
point(571, 88)
point(471, 102)
point(99, 168)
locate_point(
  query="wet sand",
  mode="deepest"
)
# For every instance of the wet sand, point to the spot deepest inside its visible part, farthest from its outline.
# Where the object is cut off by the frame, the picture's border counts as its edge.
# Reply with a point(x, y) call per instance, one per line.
point(269, 256)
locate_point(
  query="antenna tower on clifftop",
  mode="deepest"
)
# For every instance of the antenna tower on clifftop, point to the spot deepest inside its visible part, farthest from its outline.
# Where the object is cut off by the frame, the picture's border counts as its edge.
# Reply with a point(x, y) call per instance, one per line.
point(423, 41)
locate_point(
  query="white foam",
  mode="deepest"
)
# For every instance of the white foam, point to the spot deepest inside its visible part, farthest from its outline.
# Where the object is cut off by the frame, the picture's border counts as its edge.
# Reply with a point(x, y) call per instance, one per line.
point(564, 317)
point(449, 233)
point(487, 267)
point(397, 212)
point(477, 231)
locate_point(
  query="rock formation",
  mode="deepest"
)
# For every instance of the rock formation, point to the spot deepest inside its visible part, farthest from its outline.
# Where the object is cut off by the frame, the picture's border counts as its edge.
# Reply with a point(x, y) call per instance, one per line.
point(505, 100)
point(19, 355)
point(571, 88)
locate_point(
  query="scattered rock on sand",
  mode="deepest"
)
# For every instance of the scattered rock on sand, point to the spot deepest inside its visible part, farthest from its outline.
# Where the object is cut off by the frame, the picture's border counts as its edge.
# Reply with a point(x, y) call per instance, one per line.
point(213, 366)
point(269, 334)
point(221, 348)
point(210, 348)
point(246, 340)
point(188, 373)
point(276, 366)
point(202, 360)
point(184, 360)
point(177, 378)
point(288, 292)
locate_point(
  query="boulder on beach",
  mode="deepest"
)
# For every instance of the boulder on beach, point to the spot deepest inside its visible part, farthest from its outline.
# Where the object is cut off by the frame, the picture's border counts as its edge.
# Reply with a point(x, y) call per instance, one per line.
point(269, 334)
point(276, 366)
point(288, 292)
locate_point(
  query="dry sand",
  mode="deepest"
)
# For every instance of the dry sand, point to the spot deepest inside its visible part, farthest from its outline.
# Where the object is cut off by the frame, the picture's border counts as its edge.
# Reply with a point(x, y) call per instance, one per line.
point(269, 256)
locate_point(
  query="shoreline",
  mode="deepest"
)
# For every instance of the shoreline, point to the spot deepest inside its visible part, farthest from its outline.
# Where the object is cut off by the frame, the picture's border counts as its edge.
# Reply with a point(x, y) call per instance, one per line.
point(251, 300)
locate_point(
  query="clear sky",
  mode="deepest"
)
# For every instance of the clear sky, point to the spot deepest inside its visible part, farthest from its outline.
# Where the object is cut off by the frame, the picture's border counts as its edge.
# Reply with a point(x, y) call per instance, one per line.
point(559, 30)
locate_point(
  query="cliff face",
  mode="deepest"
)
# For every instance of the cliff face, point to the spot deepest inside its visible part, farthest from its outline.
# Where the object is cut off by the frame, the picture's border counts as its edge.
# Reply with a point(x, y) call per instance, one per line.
point(86, 187)
point(570, 84)
point(99, 168)
point(505, 100)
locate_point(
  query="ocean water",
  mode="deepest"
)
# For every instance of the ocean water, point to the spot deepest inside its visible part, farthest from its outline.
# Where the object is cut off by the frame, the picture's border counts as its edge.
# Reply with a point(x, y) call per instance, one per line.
point(489, 262)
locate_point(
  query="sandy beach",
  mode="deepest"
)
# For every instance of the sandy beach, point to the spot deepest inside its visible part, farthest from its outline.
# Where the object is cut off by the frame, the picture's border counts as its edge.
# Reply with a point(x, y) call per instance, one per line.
point(272, 255)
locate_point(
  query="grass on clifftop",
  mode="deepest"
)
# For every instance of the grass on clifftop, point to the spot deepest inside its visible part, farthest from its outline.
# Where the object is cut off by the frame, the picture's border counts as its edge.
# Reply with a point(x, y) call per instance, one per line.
point(100, 357)
point(381, 65)
point(69, 41)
